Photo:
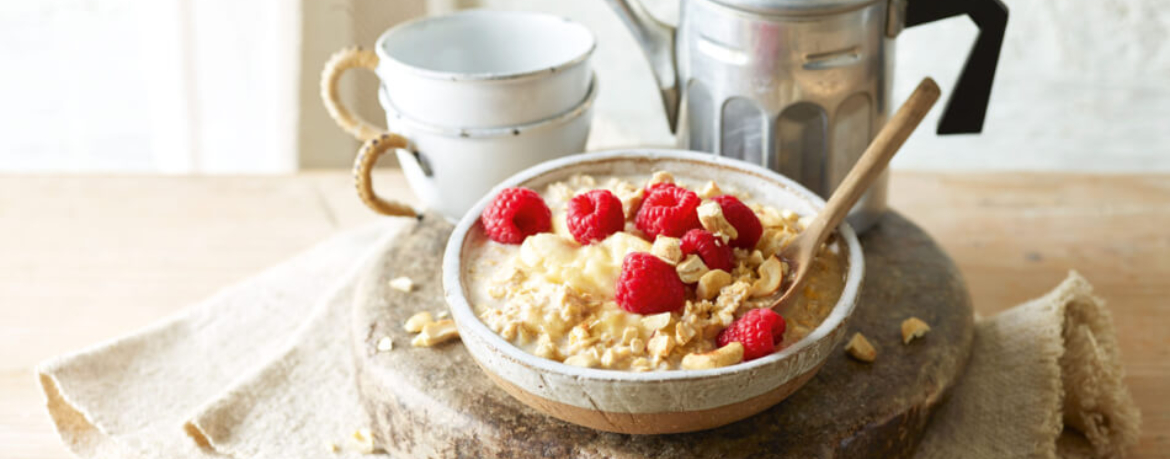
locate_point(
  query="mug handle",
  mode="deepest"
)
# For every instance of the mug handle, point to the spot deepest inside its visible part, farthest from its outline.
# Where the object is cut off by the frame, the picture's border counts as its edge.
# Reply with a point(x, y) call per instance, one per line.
point(364, 164)
point(339, 62)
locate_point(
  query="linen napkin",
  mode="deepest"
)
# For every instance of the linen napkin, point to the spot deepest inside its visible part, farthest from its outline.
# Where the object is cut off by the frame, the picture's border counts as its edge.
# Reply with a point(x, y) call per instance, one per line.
point(244, 358)
point(263, 370)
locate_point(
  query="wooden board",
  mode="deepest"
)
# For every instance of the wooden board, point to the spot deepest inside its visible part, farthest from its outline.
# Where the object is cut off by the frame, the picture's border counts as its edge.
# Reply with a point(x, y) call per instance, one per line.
point(435, 402)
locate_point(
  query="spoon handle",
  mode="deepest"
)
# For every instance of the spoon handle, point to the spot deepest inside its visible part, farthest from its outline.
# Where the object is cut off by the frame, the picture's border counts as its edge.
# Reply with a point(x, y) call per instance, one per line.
point(875, 159)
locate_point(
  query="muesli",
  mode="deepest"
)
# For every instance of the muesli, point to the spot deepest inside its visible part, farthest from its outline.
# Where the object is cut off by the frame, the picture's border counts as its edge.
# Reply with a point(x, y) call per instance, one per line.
point(642, 273)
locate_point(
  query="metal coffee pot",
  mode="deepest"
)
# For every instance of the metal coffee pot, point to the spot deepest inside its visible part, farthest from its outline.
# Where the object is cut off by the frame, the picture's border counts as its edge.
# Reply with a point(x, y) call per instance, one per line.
point(802, 86)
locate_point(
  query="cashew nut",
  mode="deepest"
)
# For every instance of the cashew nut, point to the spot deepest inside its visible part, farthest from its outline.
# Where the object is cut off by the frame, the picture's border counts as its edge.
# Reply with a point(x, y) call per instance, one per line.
point(656, 321)
point(860, 349)
point(711, 283)
point(660, 177)
point(436, 333)
point(691, 269)
point(730, 354)
point(402, 284)
point(710, 190)
point(913, 328)
point(712, 219)
point(771, 276)
point(416, 322)
point(660, 345)
point(669, 249)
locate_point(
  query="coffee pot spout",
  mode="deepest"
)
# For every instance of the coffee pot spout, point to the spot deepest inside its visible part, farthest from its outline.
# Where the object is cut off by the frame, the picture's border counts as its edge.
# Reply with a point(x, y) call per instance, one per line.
point(657, 41)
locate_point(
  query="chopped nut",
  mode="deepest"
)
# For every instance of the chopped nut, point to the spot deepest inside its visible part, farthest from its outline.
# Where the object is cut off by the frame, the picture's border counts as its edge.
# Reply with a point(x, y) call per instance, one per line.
point(755, 259)
point(660, 345)
point(669, 249)
point(860, 349)
point(436, 333)
point(416, 322)
point(771, 276)
point(629, 334)
point(656, 321)
point(560, 191)
point(608, 358)
point(803, 222)
point(913, 328)
point(583, 359)
point(402, 284)
point(683, 333)
point(730, 354)
point(637, 346)
point(789, 215)
point(772, 241)
point(332, 447)
point(768, 216)
point(582, 181)
point(363, 441)
point(712, 219)
point(630, 196)
point(641, 364)
point(660, 177)
point(732, 296)
point(710, 190)
point(545, 348)
point(711, 283)
point(385, 344)
point(691, 269)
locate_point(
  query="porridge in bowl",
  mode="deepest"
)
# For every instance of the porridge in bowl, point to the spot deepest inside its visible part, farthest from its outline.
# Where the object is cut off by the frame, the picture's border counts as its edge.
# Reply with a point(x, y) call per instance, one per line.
point(642, 273)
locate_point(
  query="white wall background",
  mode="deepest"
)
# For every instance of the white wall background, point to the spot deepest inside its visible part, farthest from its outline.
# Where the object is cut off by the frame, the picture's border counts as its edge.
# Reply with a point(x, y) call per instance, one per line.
point(210, 86)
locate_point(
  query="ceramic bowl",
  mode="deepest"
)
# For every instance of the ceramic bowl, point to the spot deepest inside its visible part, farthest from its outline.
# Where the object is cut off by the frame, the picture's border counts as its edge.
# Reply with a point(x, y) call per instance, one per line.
point(663, 401)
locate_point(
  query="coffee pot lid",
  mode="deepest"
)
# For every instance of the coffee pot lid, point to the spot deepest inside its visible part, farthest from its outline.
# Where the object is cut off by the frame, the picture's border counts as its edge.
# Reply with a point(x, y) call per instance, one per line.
point(795, 6)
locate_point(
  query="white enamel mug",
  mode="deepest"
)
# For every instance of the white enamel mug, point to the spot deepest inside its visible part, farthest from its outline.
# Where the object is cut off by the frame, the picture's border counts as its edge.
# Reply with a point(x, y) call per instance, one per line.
point(470, 99)
point(472, 69)
point(450, 169)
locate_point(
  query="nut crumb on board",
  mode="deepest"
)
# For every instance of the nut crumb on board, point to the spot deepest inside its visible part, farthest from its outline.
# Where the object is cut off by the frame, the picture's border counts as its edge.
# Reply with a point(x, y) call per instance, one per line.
point(860, 349)
point(363, 441)
point(402, 284)
point(913, 328)
point(436, 333)
point(416, 322)
point(385, 344)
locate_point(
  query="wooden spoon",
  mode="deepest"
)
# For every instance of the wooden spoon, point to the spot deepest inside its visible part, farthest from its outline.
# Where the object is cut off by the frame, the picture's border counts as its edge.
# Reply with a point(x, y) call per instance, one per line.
point(800, 251)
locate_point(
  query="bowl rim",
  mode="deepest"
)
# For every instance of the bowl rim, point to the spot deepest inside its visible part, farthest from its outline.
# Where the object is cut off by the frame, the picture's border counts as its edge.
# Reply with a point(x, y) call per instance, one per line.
point(466, 319)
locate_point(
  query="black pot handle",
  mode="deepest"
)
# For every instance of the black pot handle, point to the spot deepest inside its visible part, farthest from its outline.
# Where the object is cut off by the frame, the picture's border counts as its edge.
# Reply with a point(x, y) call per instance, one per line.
point(967, 106)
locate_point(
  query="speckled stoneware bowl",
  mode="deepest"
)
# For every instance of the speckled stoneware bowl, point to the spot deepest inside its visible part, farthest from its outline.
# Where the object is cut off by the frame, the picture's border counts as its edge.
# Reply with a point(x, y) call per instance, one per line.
point(662, 401)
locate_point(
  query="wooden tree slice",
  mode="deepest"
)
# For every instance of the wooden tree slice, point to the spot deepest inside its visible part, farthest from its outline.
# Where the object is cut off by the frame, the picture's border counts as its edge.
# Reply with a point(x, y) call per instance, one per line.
point(435, 402)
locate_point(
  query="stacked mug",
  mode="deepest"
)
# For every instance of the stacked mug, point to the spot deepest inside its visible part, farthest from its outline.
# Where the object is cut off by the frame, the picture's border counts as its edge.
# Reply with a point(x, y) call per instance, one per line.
point(470, 98)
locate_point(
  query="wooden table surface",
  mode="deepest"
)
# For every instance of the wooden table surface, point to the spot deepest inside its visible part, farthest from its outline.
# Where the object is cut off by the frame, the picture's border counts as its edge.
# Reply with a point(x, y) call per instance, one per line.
point(87, 258)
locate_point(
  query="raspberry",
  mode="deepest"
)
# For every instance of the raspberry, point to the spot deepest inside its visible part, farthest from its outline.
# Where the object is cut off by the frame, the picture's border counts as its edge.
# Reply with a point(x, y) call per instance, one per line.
point(667, 210)
point(715, 254)
point(515, 214)
point(743, 219)
point(595, 215)
point(648, 285)
point(759, 331)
